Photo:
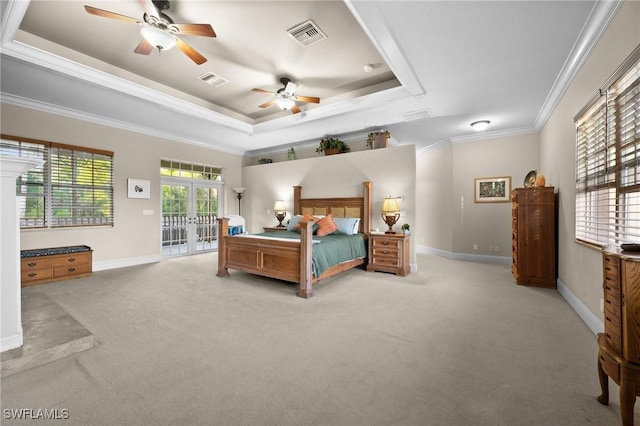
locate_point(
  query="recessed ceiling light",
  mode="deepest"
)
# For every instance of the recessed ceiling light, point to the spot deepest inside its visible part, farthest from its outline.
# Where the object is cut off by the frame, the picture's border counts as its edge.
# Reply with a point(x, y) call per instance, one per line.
point(481, 125)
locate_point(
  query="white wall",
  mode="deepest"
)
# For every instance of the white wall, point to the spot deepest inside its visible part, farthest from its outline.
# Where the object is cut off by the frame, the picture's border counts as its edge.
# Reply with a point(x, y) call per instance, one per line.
point(392, 171)
point(134, 238)
point(451, 221)
point(580, 267)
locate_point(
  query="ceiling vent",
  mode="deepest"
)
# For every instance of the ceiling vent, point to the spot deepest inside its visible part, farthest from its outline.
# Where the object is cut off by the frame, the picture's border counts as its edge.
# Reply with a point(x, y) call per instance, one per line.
point(213, 79)
point(307, 33)
point(416, 115)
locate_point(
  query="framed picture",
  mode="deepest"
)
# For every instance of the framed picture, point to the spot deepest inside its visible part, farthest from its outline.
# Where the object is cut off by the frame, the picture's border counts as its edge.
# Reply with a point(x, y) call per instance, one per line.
point(492, 189)
point(138, 188)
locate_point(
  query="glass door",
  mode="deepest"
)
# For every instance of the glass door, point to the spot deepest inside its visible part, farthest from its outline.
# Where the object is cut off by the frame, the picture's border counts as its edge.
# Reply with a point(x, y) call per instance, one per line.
point(189, 213)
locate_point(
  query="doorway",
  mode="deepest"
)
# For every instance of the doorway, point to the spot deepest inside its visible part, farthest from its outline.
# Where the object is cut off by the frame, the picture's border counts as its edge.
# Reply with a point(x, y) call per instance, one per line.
point(189, 213)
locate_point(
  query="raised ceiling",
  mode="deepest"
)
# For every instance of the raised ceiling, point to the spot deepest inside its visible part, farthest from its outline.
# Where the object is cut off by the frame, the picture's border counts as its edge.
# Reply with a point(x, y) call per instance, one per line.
point(436, 66)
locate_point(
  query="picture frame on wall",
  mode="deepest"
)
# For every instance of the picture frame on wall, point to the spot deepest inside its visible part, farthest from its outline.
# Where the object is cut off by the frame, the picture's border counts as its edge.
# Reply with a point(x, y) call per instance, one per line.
point(138, 188)
point(492, 189)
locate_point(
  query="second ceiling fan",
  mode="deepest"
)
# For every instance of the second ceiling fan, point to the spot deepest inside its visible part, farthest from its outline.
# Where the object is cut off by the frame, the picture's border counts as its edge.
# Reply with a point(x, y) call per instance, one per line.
point(286, 97)
point(158, 29)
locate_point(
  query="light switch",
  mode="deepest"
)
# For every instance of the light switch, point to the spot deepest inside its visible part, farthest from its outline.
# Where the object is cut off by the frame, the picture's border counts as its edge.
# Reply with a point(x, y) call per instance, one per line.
point(147, 212)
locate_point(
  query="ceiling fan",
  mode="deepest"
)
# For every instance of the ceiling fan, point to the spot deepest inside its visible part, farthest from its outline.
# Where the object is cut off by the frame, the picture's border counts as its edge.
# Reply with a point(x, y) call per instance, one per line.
point(285, 97)
point(159, 31)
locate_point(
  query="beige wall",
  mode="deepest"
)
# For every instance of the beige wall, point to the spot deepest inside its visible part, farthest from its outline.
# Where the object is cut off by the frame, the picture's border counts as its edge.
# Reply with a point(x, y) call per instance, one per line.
point(392, 171)
point(451, 221)
point(580, 267)
point(135, 238)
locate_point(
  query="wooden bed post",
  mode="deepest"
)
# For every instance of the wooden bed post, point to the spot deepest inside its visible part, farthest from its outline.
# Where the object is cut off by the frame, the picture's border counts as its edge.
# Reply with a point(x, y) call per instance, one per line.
point(223, 226)
point(366, 216)
point(306, 240)
point(297, 191)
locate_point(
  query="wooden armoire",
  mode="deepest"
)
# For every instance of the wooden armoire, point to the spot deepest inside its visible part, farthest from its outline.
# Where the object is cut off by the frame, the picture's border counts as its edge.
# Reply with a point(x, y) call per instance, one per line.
point(533, 233)
point(619, 345)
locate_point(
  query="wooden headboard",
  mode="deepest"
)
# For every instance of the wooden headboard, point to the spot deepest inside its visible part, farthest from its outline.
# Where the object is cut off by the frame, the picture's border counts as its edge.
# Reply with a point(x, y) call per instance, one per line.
point(339, 207)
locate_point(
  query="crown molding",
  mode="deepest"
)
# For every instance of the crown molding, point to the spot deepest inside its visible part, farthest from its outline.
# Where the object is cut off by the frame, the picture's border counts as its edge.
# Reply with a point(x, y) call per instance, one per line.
point(597, 23)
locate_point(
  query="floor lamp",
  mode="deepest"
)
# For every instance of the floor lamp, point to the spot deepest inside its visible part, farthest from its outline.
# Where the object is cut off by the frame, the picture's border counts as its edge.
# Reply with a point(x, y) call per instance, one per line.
point(239, 192)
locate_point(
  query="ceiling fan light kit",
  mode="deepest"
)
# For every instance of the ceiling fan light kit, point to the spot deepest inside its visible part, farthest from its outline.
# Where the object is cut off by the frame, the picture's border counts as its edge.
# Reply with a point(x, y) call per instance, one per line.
point(285, 99)
point(160, 39)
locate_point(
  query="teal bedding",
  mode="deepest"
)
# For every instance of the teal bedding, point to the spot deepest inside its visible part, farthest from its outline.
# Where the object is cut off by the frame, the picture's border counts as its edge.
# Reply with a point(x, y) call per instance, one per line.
point(329, 250)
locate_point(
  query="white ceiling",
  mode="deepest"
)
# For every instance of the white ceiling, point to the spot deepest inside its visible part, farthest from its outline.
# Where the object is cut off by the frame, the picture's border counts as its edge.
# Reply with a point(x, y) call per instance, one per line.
point(438, 66)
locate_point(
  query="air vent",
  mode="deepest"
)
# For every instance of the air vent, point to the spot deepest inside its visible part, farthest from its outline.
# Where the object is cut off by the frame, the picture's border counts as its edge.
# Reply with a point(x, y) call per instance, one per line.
point(307, 33)
point(416, 115)
point(213, 79)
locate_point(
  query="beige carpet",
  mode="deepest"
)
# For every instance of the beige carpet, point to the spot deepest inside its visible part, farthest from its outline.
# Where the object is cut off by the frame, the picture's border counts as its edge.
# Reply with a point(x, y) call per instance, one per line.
point(456, 344)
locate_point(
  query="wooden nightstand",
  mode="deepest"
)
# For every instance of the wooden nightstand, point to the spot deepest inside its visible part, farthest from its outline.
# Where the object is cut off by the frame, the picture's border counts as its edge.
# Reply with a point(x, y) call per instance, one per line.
point(273, 229)
point(389, 253)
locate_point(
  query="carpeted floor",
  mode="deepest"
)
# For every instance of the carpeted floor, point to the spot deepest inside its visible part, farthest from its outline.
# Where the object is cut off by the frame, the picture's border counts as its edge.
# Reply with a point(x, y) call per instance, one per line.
point(458, 343)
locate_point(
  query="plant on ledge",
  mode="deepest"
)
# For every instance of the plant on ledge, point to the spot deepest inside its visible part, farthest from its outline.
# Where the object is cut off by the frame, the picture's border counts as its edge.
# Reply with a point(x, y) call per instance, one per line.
point(371, 138)
point(405, 228)
point(332, 146)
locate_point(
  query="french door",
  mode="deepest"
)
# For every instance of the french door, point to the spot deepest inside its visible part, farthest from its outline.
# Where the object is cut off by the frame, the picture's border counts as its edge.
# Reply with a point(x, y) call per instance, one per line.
point(189, 213)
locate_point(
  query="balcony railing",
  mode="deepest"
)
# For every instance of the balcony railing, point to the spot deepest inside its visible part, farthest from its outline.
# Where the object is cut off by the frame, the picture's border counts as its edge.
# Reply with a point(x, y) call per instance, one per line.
point(175, 228)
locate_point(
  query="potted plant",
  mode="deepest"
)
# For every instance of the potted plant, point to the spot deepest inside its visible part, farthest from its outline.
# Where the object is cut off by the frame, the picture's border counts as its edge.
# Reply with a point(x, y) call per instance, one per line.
point(378, 139)
point(332, 146)
point(405, 228)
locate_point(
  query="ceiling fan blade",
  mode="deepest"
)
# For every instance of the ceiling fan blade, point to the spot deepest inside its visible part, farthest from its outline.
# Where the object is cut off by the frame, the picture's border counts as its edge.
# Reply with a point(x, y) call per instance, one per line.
point(144, 48)
point(190, 52)
point(267, 104)
point(107, 14)
point(311, 99)
point(148, 7)
point(263, 91)
point(196, 29)
point(295, 109)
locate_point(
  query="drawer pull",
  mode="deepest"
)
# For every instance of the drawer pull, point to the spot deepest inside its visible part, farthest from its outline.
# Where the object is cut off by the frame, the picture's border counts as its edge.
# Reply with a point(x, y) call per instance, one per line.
point(384, 252)
point(71, 269)
point(71, 259)
point(385, 243)
point(32, 274)
point(32, 264)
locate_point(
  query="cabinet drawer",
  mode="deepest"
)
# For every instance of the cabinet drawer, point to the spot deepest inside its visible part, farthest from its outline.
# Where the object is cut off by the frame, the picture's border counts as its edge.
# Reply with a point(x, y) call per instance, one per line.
point(385, 252)
point(36, 274)
point(388, 244)
point(385, 261)
point(53, 261)
point(609, 365)
point(62, 271)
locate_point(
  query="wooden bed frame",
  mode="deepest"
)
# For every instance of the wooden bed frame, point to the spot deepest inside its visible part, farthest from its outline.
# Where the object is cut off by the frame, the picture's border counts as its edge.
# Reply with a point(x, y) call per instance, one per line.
point(291, 260)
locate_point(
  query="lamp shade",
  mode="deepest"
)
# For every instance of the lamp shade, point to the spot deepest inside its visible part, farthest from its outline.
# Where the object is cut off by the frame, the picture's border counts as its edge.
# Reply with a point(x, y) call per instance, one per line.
point(390, 206)
point(279, 206)
point(238, 190)
point(158, 38)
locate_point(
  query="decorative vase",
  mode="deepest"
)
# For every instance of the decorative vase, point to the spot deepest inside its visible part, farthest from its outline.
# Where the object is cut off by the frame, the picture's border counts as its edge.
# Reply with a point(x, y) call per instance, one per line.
point(331, 151)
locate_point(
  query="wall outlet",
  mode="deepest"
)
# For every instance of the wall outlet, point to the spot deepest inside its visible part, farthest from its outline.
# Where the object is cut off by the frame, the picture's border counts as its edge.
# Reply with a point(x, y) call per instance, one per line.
point(602, 305)
point(491, 249)
point(475, 247)
point(496, 248)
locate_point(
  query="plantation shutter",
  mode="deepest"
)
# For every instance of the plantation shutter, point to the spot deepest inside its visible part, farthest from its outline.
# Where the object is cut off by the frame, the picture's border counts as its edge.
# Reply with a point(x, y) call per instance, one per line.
point(81, 187)
point(608, 160)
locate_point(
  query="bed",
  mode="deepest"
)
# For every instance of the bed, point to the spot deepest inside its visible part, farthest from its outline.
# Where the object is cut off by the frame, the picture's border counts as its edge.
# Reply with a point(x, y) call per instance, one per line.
point(289, 257)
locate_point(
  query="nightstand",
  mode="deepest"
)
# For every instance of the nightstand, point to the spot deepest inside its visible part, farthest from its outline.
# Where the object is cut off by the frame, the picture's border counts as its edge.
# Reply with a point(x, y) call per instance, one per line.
point(273, 229)
point(389, 253)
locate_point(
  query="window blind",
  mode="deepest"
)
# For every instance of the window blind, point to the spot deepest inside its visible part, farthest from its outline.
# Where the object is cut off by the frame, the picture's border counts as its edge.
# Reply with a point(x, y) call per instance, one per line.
point(608, 161)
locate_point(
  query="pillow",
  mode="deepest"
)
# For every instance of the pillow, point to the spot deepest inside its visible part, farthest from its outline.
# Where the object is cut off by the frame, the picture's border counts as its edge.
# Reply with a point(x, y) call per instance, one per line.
point(304, 219)
point(347, 225)
point(293, 222)
point(326, 226)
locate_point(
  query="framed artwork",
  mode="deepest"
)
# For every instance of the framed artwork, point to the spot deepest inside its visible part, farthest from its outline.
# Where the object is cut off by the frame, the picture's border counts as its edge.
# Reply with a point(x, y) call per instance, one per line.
point(138, 188)
point(492, 189)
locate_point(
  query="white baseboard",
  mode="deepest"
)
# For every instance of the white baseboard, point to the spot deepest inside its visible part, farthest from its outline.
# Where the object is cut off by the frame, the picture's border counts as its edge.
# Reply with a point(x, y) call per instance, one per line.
point(11, 342)
point(123, 263)
point(464, 256)
point(592, 321)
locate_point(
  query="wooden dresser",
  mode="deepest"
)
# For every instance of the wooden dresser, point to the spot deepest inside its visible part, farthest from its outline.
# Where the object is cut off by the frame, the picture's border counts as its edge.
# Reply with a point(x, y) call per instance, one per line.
point(389, 253)
point(41, 266)
point(619, 345)
point(533, 234)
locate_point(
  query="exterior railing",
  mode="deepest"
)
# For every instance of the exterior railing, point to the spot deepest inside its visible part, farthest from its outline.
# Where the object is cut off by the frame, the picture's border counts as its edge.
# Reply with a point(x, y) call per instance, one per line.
point(175, 228)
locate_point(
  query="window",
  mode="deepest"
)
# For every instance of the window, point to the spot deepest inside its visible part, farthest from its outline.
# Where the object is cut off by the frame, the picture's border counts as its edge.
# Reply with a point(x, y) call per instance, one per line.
point(608, 160)
point(73, 188)
point(176, 168)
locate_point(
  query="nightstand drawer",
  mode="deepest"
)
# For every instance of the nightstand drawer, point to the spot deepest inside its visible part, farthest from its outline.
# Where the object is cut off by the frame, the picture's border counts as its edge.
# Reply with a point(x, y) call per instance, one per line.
point(385, 252)
point(385, 243)
point(385, 261)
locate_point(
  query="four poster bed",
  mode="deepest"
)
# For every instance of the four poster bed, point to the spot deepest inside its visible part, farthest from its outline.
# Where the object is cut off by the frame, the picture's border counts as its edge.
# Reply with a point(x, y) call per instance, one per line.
point(300, 256)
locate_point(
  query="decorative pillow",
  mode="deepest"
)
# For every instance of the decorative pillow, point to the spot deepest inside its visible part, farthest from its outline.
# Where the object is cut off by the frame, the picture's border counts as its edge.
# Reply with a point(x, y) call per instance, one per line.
point(347, 225)
point(304, 219)
point(293, 222)
point(326, 226)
